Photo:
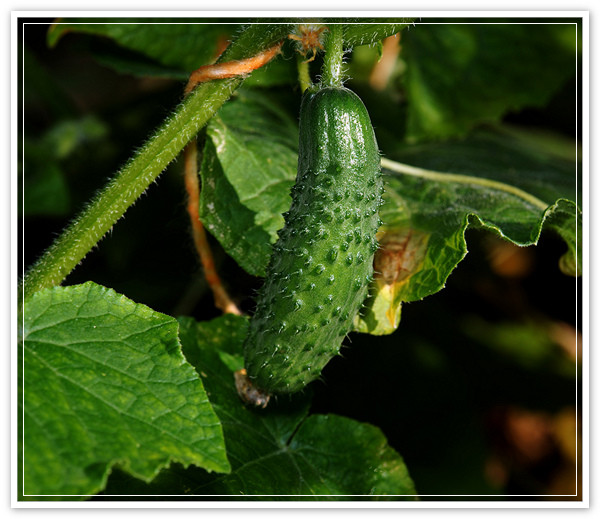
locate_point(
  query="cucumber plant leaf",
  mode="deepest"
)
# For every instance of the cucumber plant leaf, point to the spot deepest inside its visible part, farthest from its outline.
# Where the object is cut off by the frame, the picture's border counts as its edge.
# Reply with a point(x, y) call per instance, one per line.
point(279, 451)
point(104, 384)
point(504, 186)
point(181, 45)
point(125, 61)
point(462, 74)
point(248, 168)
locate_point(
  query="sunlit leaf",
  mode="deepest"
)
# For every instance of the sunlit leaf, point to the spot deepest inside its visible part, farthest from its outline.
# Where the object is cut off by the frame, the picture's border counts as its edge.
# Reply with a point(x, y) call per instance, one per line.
point(462, 74)
point(278, 452)
point(104, 384)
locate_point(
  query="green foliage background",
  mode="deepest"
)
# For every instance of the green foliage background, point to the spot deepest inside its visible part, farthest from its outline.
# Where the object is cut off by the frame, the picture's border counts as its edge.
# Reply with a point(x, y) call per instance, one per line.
point(422, 404)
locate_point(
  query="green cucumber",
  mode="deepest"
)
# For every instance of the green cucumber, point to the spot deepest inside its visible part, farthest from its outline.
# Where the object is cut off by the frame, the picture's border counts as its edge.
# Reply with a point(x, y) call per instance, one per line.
point(322, 263)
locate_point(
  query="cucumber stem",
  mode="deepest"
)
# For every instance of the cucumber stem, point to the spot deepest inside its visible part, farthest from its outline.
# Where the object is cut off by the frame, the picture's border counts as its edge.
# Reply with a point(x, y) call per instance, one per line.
point(334, 56)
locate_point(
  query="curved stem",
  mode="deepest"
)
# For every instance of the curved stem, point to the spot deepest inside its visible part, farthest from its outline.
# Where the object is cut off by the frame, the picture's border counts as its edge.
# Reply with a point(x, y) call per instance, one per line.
point(334, 55)
point(192, 186)
point(231, 68)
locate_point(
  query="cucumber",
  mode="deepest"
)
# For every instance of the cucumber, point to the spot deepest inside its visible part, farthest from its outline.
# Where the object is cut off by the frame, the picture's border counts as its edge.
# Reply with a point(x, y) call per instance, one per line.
point(322, 263)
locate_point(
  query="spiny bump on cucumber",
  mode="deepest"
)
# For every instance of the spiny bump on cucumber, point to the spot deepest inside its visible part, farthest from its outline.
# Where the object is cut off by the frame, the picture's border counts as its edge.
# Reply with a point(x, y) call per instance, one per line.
point(322, 263)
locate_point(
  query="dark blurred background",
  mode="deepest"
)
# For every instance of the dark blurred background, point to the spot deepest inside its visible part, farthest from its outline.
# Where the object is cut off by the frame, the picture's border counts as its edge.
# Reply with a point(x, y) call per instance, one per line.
point(477, 389)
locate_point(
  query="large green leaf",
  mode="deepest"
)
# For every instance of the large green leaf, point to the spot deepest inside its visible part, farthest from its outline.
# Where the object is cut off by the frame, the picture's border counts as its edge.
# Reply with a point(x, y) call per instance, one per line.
point(181, 44)
point(248, 167)
point(491, 181)
point(459, 75)
point(104, 384)
point(277, 451)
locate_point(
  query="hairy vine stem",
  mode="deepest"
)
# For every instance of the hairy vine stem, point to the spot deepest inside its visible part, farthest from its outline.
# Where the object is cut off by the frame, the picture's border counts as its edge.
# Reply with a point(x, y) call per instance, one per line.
point(112, 201)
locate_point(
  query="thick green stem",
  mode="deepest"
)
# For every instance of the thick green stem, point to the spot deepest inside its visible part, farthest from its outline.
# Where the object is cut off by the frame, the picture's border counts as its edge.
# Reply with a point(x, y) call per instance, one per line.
point(122, 191)
point(114, 199)
point(334, 56)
